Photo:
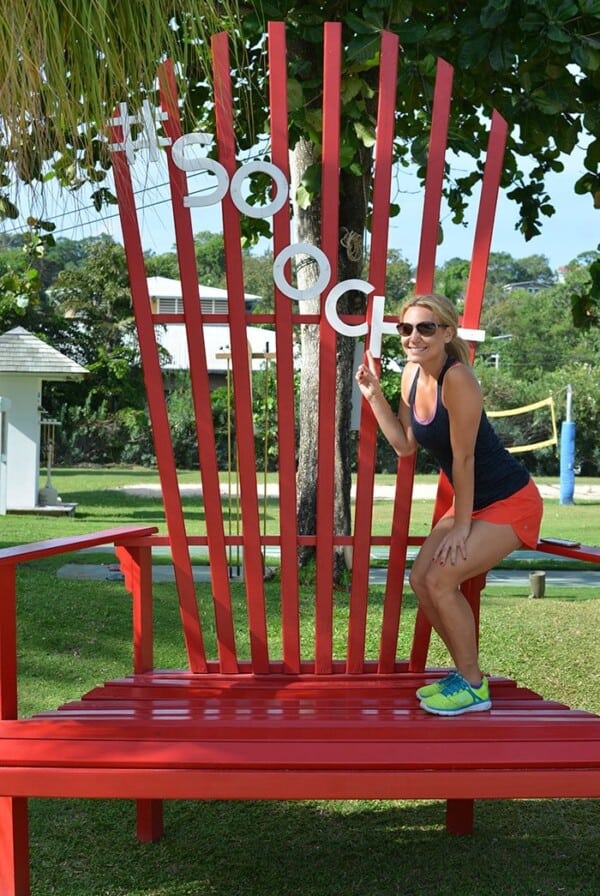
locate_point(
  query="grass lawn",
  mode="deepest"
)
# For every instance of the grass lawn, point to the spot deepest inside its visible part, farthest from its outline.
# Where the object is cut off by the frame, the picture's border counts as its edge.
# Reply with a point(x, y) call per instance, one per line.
point(75, 634)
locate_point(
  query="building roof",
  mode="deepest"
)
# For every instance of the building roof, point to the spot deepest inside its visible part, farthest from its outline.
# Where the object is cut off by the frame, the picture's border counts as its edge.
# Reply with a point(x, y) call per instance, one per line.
point(217, 343)
point(23, 353)
point(165, 288)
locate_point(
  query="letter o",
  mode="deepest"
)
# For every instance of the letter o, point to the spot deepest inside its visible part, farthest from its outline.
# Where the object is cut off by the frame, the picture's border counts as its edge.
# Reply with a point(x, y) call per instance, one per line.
point(291, 291)
point(263, 211)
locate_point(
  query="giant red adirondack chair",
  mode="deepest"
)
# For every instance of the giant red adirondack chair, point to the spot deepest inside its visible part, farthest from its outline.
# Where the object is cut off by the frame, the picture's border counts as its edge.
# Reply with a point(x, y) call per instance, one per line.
point(280, 720)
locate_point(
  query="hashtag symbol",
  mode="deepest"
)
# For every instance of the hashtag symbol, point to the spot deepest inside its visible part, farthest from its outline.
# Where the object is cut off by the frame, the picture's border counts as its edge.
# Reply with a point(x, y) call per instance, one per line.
point(146, 137)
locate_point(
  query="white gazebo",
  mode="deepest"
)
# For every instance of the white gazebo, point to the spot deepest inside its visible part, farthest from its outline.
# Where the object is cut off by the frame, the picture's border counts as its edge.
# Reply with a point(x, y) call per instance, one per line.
point(25, 362)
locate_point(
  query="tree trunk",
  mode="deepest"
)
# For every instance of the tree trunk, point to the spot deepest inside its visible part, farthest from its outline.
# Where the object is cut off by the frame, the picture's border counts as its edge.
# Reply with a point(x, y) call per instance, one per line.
point(353, 210)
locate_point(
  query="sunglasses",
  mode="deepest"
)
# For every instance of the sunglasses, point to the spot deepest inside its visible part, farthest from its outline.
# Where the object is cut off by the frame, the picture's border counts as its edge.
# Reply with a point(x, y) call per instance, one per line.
point(423, 328)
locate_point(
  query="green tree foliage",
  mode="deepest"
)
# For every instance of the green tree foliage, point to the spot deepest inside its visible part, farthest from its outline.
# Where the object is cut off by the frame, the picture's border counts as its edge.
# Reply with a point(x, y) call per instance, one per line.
point(398, 280)
point(210, 258)
point(29, 263)
point(66, 65)
point(582, 278)
point(93, 297)
point(258, 279)
point(537, 63)
point(104, 418)
point(164, 265)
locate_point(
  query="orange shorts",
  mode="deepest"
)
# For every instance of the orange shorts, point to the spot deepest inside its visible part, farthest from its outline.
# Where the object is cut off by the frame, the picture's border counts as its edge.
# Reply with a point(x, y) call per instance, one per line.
point(523, 511)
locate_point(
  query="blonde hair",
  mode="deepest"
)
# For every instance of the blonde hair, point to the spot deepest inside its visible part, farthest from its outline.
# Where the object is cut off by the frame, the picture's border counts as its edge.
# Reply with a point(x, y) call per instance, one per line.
point(447, 313)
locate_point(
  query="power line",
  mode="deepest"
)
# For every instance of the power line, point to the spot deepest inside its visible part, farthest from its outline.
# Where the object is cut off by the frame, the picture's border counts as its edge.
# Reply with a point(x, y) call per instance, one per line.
point(110, 217)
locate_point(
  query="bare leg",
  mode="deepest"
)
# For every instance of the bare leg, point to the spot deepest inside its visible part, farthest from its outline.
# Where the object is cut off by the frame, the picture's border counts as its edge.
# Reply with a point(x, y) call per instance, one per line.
point(439, 595)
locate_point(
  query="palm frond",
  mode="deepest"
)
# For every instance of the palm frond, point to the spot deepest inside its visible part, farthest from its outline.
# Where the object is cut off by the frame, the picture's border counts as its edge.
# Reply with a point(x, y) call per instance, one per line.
point(67, 63)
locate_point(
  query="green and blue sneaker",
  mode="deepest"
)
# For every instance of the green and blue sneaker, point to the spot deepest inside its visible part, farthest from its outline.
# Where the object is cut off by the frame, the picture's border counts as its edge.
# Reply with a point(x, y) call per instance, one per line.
point(456, 696)
point(428, 690)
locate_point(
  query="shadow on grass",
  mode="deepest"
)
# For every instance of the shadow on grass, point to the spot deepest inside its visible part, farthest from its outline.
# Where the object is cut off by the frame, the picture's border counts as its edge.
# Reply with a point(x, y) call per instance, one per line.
point(317, 849)
point(96, 504)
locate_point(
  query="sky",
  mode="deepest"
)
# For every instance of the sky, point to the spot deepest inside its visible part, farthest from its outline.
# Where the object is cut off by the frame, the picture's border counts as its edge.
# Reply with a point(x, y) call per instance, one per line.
point(575, 228)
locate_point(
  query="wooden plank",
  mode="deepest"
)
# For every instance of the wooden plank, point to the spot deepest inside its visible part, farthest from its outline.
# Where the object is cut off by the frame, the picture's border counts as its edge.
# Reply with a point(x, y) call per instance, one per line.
point(242, 385)
point(37, 550)
point(369, 683)
point(367, 444)
point(330, 188)
point(352, 754)
point(394, 587)
point(284, 342)
point(8, 643)
point(136, 566)
point(157, 407)
point(548, 729)
point(425, 273)
point(200, 382)
point(557, 720)
point(470, 320)
point(14, 846)
point(438, 139)
point(584, 552)
point(241, 784)
point(485, 224)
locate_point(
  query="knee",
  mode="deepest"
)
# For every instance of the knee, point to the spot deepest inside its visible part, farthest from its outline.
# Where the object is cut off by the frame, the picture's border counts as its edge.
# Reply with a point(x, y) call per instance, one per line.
point(429, 584)
point(419, 580)
point(414, 580)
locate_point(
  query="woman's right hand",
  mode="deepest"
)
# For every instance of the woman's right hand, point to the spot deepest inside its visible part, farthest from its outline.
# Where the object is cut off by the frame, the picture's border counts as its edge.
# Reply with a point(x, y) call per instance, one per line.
point(367, 377)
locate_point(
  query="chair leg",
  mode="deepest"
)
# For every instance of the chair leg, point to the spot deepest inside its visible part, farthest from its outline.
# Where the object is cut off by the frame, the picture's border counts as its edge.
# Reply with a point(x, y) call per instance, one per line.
point(459, 816)
point(149, 820)
point(14, 847)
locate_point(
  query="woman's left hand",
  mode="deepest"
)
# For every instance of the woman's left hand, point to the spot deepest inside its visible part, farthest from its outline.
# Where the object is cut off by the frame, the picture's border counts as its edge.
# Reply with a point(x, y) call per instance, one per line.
point(453, 546)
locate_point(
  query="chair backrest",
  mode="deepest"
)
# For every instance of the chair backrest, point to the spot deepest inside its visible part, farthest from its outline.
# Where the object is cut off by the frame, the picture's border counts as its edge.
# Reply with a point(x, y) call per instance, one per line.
point(323, 602)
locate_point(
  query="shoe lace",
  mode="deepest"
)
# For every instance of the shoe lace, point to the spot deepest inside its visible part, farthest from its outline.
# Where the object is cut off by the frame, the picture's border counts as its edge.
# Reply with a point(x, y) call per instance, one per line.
point(453, 685)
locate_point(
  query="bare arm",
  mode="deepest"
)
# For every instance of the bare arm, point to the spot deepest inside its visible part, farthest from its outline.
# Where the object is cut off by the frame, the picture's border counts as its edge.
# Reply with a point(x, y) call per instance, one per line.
point(395, 427)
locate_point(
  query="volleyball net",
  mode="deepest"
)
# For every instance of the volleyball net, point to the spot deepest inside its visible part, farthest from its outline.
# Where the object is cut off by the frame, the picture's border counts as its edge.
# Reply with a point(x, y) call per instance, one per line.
point(527, 428)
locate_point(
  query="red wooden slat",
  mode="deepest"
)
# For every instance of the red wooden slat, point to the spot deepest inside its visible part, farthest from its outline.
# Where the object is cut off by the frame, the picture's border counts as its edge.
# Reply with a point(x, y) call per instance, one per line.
point(242, 387)
point(37, 550)
point(424, 283)
point(584, 552)
point(425, 273)
point(394, 586)
point(200, 382)
point(8, 642)
point(332, 54)
point(422, 632)
point(200, 783)
point(290, 618)
point(157, 408)
point(471, 316)
point(14, 846)
point(435, 175)
point(365, 478)
point(98, 750)
point(485, 222)
point(136, 566)
point(549, 732)
point(212, 717)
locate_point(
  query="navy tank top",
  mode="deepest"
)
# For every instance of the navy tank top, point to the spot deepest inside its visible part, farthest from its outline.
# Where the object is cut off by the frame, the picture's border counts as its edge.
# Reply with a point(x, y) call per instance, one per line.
point(498, 474)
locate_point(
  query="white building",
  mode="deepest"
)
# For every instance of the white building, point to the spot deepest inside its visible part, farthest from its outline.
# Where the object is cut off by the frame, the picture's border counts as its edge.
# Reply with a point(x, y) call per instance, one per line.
point(26, 361)
point(166, 298)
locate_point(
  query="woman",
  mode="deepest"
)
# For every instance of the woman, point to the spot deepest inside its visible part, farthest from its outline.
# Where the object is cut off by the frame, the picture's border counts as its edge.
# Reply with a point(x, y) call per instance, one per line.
point(497, 507)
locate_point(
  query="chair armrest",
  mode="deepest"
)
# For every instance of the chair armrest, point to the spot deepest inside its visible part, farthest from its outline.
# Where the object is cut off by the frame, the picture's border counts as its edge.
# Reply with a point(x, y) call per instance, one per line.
point(9, 560)
point(565, 548)
point(38, 549)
